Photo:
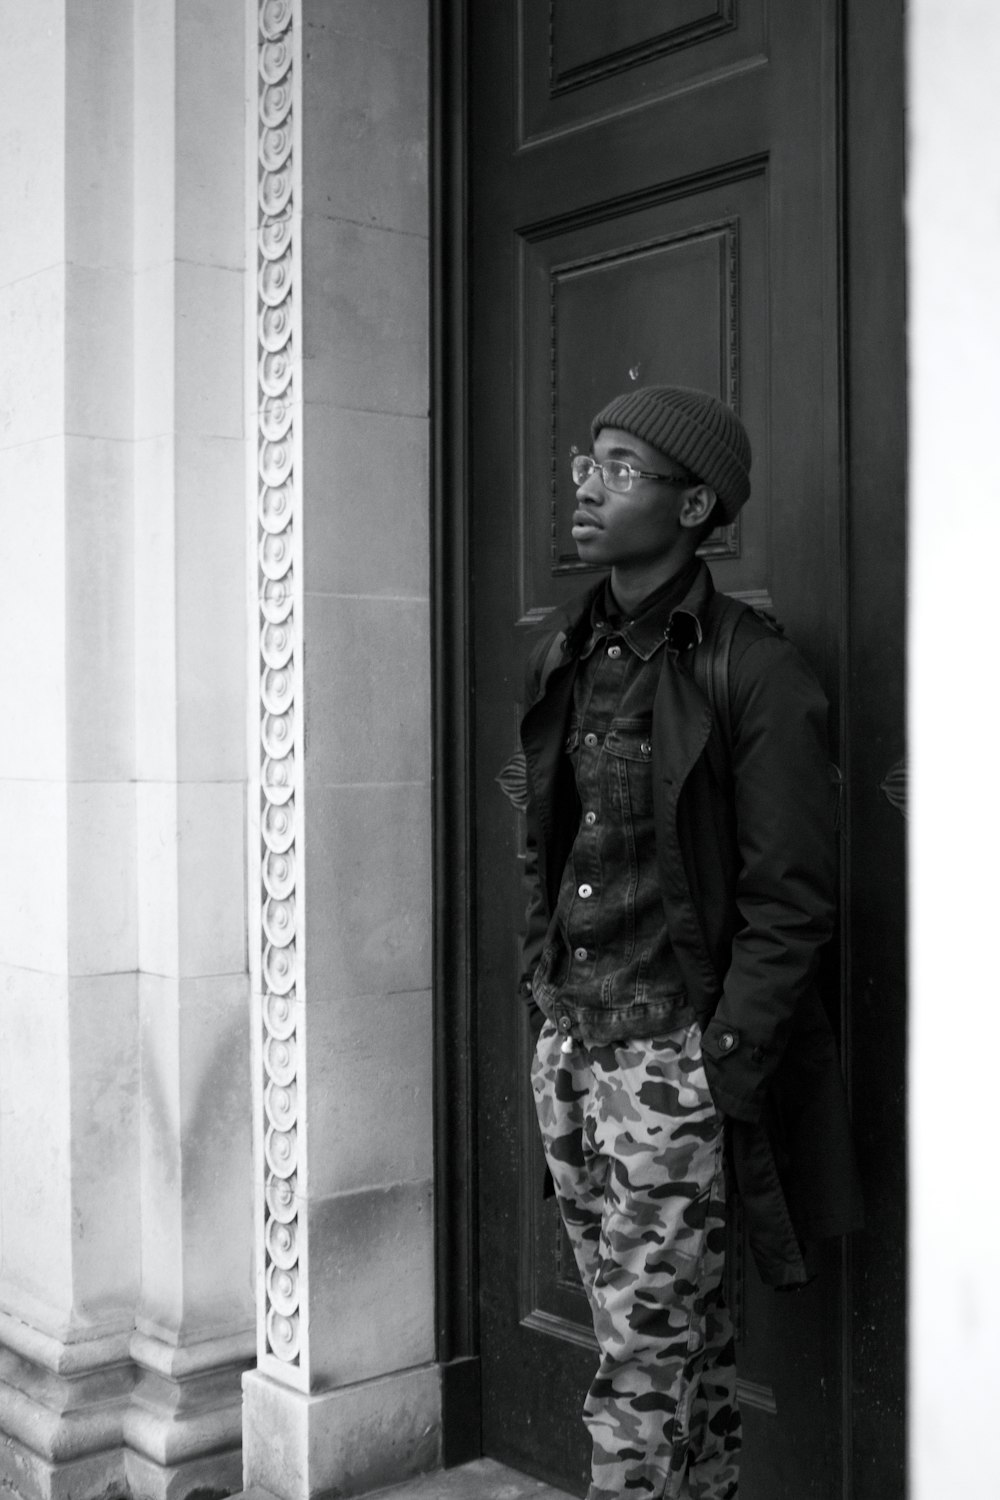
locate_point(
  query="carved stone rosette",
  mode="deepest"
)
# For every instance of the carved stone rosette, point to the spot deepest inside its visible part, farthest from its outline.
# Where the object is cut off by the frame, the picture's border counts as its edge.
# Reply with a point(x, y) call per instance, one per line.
point(278, 959)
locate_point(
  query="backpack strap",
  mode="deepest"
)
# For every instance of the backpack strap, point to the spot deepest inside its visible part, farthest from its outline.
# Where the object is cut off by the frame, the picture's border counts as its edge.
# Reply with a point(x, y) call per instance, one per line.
point(718, 667)
point(710, 664)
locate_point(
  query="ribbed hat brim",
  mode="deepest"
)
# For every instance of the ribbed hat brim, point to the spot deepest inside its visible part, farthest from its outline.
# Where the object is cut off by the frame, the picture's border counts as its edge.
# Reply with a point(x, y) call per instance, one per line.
point(691, 427)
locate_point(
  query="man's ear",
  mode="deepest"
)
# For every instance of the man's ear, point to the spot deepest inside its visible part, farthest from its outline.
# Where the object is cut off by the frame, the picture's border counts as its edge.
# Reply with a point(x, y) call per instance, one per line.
point(696, 507)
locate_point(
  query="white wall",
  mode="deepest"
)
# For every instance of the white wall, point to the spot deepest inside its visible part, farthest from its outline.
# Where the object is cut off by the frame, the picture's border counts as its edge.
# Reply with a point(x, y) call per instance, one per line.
point(954, 229)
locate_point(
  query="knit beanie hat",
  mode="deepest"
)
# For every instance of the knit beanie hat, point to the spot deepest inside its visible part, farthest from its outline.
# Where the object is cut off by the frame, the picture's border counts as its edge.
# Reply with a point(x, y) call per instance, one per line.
point(694, 429)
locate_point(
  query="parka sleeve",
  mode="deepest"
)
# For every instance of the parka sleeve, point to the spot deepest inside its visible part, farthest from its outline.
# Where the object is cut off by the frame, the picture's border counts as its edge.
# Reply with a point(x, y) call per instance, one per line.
point(786, 885)
point(535, 925)
point(533, 935)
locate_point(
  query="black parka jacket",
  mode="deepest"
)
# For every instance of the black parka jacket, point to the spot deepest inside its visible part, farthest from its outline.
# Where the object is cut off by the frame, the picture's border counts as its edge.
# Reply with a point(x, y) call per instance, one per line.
point(746, 851)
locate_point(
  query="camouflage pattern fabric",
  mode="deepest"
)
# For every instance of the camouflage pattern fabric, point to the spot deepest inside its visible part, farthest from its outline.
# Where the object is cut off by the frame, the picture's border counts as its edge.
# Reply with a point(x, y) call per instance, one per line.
point(635, 1147)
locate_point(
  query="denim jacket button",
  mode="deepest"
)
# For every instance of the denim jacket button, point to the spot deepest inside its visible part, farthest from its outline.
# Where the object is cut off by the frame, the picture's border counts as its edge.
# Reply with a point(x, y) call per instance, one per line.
point(590, 739)
point(614, 651)
point(580, 953)
point(584, 891)
point(646, 747)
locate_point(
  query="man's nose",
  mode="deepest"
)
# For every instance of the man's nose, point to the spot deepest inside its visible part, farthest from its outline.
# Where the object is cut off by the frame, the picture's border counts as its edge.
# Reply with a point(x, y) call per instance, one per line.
point(593, 487)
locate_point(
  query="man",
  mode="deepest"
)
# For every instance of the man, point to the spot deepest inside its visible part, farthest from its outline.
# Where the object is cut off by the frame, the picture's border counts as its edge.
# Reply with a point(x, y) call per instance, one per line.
point(681, 873)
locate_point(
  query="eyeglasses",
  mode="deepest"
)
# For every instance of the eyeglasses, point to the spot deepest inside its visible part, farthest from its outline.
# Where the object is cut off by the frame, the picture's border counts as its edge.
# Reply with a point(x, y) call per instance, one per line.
point(618, 474)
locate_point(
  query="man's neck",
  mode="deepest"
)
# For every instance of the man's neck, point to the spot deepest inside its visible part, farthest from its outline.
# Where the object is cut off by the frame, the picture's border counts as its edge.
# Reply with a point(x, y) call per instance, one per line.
point(633, 584)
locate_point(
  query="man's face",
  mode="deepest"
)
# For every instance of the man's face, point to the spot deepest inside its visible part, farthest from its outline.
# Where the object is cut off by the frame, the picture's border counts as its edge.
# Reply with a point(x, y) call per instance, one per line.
point(612, 530)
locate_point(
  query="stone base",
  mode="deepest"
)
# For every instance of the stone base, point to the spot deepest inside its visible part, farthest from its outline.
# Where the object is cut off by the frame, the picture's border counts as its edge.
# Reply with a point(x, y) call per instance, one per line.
point(213, 1474)
point(32, 1477)
point(343, 1442)
point(61, 1414)
point(117, 1418)
point(115, 1474)
point(183, 1428)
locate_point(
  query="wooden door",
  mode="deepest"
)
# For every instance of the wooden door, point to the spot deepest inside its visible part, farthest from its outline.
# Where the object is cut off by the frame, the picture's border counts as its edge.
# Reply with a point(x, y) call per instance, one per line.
point(653, 196)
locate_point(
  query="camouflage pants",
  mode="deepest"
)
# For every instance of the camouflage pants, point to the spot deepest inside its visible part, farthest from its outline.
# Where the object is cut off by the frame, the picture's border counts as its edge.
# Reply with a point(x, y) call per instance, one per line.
point(634, 1144)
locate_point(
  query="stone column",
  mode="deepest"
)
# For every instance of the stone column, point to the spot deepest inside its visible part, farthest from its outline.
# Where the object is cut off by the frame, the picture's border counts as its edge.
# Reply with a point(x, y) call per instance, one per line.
point(346, 1393)
point(126, 1302)
point(195, 1315)
point(69, 1086)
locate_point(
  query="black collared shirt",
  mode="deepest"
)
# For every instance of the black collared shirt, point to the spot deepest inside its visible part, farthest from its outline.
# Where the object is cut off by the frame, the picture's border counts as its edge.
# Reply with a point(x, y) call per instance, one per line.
point(653, 622)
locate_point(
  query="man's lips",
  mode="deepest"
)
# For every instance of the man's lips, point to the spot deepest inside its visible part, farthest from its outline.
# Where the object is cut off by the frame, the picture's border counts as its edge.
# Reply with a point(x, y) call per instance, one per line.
point(584, 523)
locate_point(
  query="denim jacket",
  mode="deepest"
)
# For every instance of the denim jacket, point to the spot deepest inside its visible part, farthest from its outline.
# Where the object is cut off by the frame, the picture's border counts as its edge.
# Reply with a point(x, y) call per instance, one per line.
point(608, 971)
point(746, 856)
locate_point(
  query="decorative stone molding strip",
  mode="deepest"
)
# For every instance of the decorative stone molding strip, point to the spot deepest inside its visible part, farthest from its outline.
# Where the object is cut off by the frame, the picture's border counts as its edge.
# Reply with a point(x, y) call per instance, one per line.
point(278, 957)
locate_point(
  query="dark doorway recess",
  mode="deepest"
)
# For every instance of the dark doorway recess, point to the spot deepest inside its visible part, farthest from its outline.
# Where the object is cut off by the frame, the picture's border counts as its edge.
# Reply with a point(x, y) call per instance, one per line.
point(708, 193)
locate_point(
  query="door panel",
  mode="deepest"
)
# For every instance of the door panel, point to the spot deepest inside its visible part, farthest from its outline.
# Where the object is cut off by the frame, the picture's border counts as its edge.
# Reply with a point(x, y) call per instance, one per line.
point(670, 293)
point(581, 60)
point(648, 203)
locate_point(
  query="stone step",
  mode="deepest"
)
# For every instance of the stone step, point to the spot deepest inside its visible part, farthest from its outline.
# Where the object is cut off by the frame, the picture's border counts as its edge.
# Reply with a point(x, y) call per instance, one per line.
point(484, 1479)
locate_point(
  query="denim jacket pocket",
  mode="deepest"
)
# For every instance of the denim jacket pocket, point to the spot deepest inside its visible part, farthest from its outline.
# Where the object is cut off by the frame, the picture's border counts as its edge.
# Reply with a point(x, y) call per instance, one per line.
point(629, 748)
point(630, 740)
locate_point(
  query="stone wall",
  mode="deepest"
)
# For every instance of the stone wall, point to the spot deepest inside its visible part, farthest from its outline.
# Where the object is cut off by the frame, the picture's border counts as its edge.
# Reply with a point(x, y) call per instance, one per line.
point(214, 490)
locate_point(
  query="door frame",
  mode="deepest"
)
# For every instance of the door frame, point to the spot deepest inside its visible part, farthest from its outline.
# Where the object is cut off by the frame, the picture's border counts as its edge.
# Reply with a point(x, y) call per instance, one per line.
point(871, 254)
point(455, 1176)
